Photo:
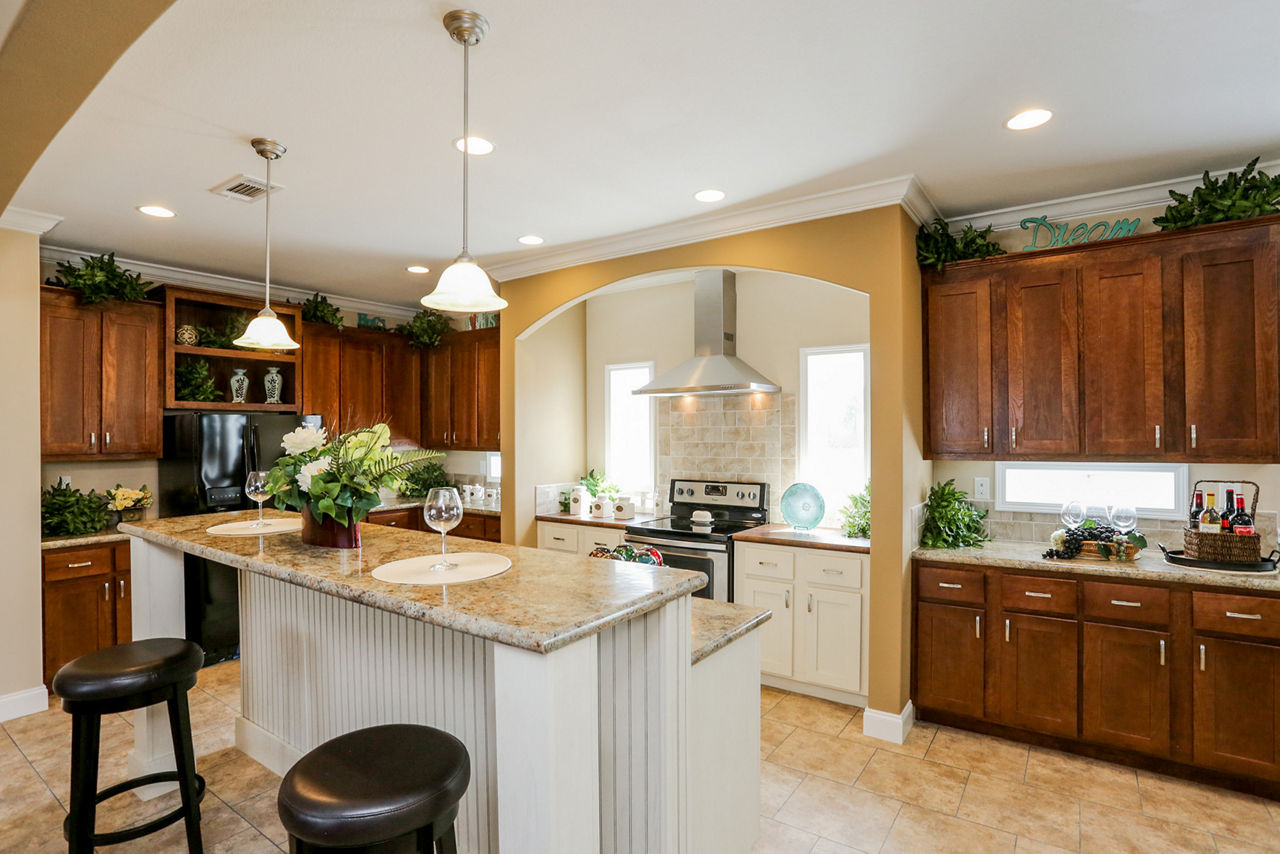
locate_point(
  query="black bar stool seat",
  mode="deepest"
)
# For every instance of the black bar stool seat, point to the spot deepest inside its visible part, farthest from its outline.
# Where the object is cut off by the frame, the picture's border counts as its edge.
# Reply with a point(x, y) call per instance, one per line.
point(118, 679)
point(372, 787)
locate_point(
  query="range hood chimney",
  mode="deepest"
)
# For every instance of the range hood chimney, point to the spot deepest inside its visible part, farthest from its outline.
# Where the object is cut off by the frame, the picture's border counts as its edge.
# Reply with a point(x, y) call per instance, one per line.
point(715, 367)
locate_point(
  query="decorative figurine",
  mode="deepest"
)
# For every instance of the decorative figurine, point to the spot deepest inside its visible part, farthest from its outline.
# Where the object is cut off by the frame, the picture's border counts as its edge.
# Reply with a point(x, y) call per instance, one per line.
point(274, 384)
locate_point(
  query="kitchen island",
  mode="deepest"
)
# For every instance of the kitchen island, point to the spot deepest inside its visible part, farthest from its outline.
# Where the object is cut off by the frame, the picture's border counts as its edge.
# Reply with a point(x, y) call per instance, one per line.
point(570, 680)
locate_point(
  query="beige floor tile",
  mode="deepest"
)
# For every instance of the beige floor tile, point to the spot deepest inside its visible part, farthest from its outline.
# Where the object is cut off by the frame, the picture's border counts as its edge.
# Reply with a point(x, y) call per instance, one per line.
point(214, 746)
point(36, 830)
point(261, 812)
point(826, 846)
point(776, 838)
point(983, 754)
point(127, 810)
point(208, 713)
point(246, 842)
point(1227, 845)
point(1027, 845)
point(840, 813)
point(1106, 830)
point(224, 675)
point(1084, 778)
point(22, 789)
point(772, 733)
point(917, 743)
point(769, 698)
point(1021, 809)
point(240, 779)
point(812, 713)
point(917, 829)
point(777, 782)
point(218, 822)
point(1213, 810)
point(824, 755)
point(916, 781)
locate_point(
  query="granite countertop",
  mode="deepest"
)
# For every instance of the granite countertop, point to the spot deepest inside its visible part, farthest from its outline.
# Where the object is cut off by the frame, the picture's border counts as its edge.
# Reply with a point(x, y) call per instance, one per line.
point(818, 538)
point(718, 624)
point(106, 536)
point(403, 502)
point(575, 519)
point(1149, 566)
point(547, 600)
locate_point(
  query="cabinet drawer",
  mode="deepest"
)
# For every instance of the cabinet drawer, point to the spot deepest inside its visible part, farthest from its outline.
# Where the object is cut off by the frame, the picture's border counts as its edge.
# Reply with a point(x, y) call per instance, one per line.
point(947, 584)
point(591, 538)
point(1040, 595)
point(1127, 603)
point(829, 568)
point(62, 564)
point(561, 538)
point(766, 562)
point(493, 529)
point(395, 518)
point(1238, 615)
point(470, 526)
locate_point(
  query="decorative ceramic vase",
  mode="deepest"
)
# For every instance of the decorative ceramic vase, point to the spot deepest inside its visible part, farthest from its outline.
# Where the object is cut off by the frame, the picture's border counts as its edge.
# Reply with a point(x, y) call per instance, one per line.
point(187, 335)
point(274, 384)
point(239, 386)
point(330, 533)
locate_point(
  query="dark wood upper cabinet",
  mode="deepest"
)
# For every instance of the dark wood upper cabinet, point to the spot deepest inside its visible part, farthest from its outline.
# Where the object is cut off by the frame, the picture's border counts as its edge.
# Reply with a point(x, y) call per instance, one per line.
point(402, 388)
point(361, 380)
point(1038, 681)
point(949, 658)
point(1229, 334)
point(321, 374)
point(461, 392)
point(959, 365)
point(1122, 354)
point(437, 419)
point(70, 378)
point(1237, 706)
point(131, 389)
point(1042, 362)
point(463, 402)
point(1127, 700)
point(488, 389)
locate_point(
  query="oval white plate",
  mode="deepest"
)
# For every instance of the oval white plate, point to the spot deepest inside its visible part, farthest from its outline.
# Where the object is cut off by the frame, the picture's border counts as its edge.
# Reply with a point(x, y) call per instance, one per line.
point(246, 529)
point(470, 566)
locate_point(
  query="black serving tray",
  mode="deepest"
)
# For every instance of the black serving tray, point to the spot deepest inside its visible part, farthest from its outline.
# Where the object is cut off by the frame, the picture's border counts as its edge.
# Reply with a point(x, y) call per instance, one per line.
point(1177, 558)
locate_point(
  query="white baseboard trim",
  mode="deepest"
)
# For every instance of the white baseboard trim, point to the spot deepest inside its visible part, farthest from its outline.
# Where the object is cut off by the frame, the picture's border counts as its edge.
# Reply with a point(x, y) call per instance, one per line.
point(22, 703)
point(263, 747)
point(796, 687)
point(888, 726)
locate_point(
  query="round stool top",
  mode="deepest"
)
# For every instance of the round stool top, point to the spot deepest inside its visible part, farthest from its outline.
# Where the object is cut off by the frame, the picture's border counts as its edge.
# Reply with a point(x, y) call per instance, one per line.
point(373, 785)
point(130, 668)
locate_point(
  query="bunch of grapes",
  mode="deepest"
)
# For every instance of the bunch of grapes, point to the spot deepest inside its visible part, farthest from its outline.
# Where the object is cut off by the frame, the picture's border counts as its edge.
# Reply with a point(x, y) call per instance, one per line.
point(1076, 537)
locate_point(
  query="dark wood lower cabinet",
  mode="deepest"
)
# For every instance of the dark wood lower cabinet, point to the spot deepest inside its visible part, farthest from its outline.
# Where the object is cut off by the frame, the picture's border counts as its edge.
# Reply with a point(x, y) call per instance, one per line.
point(1039, 673)
point(949, 658)
point(1126, 687)
point(79, 618)
point(1237, 706)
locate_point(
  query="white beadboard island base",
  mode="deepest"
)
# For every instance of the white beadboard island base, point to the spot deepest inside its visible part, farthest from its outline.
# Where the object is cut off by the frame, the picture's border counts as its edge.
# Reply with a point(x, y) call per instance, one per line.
point(596, 736)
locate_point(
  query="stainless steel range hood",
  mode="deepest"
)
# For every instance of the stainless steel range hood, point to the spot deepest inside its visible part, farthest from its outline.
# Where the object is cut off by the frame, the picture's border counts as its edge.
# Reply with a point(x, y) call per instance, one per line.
point(715, 367)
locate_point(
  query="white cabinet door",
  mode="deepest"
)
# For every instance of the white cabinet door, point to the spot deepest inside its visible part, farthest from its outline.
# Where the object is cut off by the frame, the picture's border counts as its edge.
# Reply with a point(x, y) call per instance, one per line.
point(829, 637)
point(591, 537)
point(557, 536)
point(777, 633)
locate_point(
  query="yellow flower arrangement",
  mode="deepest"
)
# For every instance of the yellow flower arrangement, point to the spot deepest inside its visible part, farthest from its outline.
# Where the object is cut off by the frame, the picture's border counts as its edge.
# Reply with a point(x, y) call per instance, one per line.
point(124, 498)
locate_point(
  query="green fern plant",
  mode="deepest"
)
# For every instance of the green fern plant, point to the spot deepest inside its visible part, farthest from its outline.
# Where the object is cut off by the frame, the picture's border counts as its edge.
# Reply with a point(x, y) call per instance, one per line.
point(426, 328)
point(318, 309)
point(855, 517)
point(192, 380)
point(937, 247)
point(99, 279)
point(1236, 195)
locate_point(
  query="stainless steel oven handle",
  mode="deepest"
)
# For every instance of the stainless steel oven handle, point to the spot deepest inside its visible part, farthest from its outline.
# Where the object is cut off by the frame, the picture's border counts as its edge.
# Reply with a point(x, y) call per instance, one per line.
point(680, 544)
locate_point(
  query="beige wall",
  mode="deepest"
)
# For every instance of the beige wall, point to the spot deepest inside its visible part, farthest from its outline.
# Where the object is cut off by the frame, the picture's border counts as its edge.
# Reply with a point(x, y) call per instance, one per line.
point(20, 663)
point(103, 475)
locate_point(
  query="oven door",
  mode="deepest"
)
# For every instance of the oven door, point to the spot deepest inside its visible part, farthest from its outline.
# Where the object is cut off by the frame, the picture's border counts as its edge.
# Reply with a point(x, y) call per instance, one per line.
point(712, 560)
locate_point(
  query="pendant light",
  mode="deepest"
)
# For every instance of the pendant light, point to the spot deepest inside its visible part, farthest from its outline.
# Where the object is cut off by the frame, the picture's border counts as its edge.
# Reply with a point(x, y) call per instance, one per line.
point(463, 286)
point(266, 332)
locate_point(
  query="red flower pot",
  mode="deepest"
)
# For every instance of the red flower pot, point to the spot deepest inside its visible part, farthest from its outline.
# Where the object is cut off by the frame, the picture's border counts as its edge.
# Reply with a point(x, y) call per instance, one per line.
point(330, 533)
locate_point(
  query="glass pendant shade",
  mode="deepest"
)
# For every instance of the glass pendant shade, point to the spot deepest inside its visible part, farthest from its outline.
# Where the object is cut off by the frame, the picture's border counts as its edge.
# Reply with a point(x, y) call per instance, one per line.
point(266, 332)
point(464, 287)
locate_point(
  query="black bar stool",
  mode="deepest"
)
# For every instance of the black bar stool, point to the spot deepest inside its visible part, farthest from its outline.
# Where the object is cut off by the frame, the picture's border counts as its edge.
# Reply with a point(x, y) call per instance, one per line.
point(117, 679)
point(386, 788)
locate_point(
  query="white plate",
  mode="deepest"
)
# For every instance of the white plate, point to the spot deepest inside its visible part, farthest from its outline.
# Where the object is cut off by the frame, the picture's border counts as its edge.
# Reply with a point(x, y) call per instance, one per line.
point(469, 566)
point(246, 529)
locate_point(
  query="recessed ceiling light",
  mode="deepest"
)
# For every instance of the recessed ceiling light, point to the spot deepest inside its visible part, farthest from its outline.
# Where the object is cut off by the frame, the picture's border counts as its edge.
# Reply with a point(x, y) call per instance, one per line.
point(709, 195)
point(475, 145)
point(418, 268)
point(1028, 119)
point(156, 211)
point(531, 240)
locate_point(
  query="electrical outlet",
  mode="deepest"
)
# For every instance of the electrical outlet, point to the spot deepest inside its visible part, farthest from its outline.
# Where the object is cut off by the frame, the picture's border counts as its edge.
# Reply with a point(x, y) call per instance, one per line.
point(982, 489)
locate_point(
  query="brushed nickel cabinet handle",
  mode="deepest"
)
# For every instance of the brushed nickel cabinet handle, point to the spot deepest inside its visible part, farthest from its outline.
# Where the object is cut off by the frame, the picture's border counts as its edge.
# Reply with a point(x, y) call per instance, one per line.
point(1162, 653)
point(1013, 434)
point(1006, 631)
point(1244, 616)
point(107, 439)
point(767, 562)
point(1035, 595)
point(1201, 658)
point(559, 539)
point(1157, 435)
point(977, 626)
point(786, 598)
point(832, 571)
point(810, 603)
point(950, 586)
point(1193, 435)
point(986, 437)
point(1127, 604)
point(106, 591)
point(93, 440)
point(80, 564)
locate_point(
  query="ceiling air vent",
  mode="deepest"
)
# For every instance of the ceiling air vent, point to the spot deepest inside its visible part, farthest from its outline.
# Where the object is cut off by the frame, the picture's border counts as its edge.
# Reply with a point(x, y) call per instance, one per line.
point(244, 188)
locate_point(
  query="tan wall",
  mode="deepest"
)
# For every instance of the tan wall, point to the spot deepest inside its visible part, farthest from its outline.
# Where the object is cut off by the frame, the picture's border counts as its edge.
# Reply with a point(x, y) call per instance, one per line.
point(869, 251)
point(20, 665)
point(104, 475)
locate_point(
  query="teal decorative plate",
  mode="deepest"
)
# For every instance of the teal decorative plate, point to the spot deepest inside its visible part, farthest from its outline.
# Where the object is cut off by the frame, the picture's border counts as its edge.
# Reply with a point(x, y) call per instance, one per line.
point(802, 506)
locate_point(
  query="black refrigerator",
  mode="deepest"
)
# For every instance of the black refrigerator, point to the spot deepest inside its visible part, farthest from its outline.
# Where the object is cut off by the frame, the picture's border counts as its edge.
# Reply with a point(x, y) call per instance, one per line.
point(207, 458)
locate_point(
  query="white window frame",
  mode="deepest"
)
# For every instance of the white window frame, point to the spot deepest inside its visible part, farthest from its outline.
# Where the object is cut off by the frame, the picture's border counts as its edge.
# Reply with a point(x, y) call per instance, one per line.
point(802, 408)
point(1180, 471)
point(608, 420)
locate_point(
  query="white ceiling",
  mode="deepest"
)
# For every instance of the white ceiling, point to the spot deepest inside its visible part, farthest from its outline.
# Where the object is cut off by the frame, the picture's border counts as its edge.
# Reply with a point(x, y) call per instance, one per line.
point(608, 116)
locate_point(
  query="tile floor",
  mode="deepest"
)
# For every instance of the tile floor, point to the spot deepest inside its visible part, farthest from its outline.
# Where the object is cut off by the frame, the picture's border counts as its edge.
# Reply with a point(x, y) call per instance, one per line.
point(825, 789)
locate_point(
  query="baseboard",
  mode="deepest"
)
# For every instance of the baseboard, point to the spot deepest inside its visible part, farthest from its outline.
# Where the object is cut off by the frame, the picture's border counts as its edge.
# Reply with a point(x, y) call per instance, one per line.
point(797, 687)
point(22, 703)
point(888, 726)
point(263, 747)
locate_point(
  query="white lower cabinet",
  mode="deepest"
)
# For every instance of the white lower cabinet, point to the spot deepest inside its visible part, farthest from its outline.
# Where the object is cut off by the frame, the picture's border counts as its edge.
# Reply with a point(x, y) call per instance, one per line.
point(817, 634)
point(577, 538)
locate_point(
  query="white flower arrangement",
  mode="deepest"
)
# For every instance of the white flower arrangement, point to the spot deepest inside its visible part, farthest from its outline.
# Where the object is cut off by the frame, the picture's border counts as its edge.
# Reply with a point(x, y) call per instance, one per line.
point(310, 470)
point(304, 439)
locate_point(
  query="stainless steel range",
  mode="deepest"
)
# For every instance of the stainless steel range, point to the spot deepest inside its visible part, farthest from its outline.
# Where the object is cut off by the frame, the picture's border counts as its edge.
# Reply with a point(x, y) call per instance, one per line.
point(698, 534)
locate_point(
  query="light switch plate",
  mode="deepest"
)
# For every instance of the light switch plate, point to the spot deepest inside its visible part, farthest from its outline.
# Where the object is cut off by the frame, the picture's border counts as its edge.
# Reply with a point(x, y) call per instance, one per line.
point(982, 489)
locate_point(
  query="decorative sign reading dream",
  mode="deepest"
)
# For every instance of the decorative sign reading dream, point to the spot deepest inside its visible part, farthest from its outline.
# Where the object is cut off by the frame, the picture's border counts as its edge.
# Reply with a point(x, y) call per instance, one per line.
point(1057, 235)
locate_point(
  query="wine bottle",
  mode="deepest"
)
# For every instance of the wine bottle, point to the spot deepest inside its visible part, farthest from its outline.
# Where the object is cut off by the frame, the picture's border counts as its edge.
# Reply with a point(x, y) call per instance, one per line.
point(1197, 510)
point(1210, 520)
point(1228, 511)
point(1241, 521)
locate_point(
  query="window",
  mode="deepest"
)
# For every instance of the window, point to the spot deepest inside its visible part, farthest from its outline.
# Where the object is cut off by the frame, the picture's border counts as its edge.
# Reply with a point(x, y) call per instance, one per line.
point(493, 465)
point(832, 434)
point(1157, 490)
point(628, 427)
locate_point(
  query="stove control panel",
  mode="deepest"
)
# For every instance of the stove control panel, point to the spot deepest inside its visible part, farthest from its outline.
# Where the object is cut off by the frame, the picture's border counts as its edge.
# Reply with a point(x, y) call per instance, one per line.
point(719, 494)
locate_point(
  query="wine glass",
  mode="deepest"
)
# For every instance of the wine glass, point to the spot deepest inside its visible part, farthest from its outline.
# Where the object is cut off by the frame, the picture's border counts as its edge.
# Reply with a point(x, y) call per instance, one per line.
point(443, 511)
point(256, 488)
point(1072, 514)
point(1124, 518)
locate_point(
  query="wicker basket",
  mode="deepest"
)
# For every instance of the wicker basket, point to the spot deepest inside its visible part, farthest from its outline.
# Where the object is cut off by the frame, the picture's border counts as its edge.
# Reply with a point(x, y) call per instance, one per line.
point(1223, 548)
point(1089, 551)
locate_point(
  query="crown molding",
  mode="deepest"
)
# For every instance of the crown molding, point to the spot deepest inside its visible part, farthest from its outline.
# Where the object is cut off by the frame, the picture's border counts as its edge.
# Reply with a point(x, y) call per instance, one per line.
point(904, 190)
point(231, 285)
point(1090, 205)
point(31, 222)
